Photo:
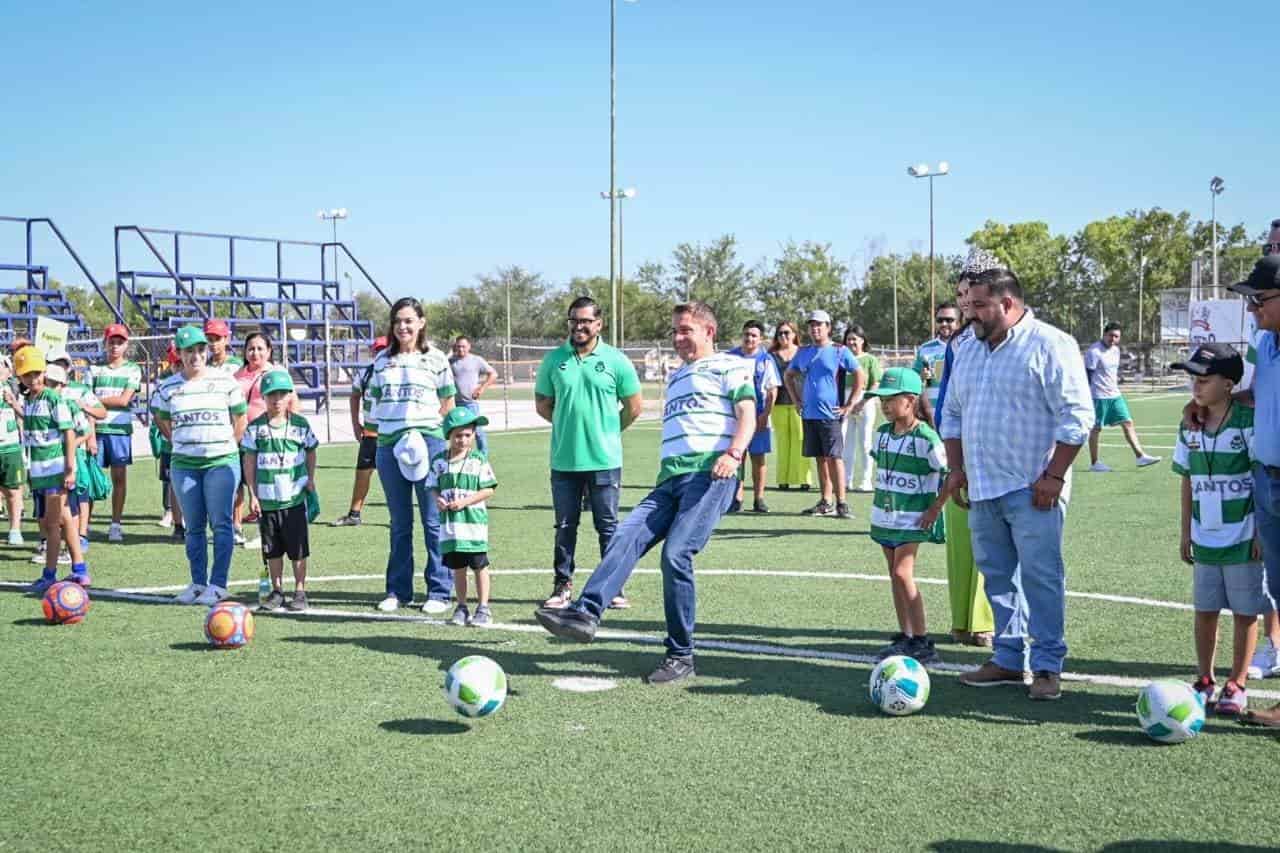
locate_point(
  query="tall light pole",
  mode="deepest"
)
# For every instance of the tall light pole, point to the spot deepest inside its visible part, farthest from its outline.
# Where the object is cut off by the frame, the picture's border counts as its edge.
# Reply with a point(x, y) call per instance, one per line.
point(924, 170)
point(613, 164)
point(620, 294)
point(333, 215)
point(1216, 186)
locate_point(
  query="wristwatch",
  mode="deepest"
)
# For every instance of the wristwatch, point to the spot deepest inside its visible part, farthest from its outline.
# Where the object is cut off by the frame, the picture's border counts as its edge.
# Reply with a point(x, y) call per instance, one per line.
point(735, 453)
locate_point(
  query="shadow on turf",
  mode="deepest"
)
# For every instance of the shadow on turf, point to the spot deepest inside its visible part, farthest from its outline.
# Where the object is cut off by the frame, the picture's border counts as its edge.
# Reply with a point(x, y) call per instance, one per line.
point(1134, 846)
point(425, 727)
point(31, 623)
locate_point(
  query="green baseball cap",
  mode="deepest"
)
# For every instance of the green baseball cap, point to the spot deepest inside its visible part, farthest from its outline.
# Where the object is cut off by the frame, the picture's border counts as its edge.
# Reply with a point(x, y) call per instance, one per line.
point(189, 336)
point(276, 380)
point(898, 380)
point(460, 416)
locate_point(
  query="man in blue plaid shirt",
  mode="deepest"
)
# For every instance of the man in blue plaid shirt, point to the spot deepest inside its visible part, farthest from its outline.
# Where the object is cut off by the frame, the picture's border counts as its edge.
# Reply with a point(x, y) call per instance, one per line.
point(1017, 412)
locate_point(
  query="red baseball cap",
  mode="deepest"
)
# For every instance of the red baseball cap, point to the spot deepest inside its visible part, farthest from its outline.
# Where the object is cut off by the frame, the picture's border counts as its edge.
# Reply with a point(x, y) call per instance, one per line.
point(19, 343)
point(379, 343)
point(214, 326)
point(172, 355)
point(116, 330)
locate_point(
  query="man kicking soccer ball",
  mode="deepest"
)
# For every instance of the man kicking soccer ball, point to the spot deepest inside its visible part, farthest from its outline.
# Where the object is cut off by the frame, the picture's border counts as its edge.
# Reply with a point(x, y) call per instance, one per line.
point(1102, 362)
point(707, 424)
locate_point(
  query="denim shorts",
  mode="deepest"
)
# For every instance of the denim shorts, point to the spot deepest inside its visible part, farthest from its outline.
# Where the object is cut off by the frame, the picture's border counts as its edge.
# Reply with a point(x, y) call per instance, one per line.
point(1239, 588)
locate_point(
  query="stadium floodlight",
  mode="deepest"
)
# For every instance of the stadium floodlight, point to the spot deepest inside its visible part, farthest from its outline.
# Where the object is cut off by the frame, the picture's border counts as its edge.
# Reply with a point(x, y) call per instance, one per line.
point(1216, 186)
point(619, 195)
point(924, 170)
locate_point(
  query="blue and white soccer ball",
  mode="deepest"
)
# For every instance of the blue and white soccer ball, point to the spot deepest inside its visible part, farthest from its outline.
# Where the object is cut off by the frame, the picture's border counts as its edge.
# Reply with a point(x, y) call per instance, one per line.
point(475, 686)
point(1170, 711)
point(899, 685)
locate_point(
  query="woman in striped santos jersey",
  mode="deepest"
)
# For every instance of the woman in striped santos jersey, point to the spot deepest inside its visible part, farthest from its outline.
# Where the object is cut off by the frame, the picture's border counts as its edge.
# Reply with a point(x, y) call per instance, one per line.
point(411, 387)
point(201, 410)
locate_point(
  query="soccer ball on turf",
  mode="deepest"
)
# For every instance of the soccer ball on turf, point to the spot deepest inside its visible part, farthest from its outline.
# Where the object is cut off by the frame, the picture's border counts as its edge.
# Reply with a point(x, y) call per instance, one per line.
point(475, 686)
point(1170, 711)
point(65, 603)
point(899, 685)
point(229, 625)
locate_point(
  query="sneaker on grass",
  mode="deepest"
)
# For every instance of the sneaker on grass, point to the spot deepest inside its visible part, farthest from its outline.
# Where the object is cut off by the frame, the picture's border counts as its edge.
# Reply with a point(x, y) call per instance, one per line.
point(238, 535)
point(179, 533)
point(482, 618)
point(820, 508)
point(189, 595)
point(166, 520)
point(15, 538)
point(760, 507)
point(347, 520)
point(1100, 468)
point(390, 604)
point(38, 557)
point(212, 595)
point(1266, 662)
point(274, 601)
point(460, 616)
point(1232, 701)
point(1144, 460)
point(64, 557)
point(82, 578)
point(435, 606)
point(298, 603)
point(923, 650)
point(673, 669)
point(41, 584)
point(842, 510)
point(1204, 687)
point(1045, 686)
point(992, 675)
point(898, 644)
point(619, 602)
point(115, 533)
point(568, 623)
point(561, 595)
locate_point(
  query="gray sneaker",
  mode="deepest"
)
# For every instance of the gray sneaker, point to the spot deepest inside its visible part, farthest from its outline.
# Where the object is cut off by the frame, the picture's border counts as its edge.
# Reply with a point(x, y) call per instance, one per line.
point(298, 603)
point(274, 601)
point(347, 520)
point(842, 510)
point(821, 508)
point(460, 615)
point(482, 618)
point(671, 671)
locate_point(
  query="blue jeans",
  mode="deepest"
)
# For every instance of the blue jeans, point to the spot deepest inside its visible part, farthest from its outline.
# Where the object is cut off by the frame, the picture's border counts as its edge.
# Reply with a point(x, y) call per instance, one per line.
point(399, 493)
point(1018, 549)
point(1266, 515)
point(482, 441)
point(207, 496)
point(603, 489)
point(683, 510)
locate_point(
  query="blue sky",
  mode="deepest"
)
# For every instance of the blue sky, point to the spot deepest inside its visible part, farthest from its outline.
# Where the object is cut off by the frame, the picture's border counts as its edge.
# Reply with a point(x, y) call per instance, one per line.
point(467, 136)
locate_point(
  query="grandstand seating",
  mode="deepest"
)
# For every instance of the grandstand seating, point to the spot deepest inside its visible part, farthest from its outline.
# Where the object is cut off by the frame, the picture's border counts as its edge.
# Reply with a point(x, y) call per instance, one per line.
point(26, 293)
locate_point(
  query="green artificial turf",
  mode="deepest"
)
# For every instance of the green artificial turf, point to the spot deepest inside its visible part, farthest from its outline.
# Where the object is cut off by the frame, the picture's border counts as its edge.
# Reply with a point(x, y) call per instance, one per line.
point(327, 732)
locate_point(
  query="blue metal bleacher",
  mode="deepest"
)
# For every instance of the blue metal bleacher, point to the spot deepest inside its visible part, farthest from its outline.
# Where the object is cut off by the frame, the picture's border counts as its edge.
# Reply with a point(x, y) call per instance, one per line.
point(27, 293)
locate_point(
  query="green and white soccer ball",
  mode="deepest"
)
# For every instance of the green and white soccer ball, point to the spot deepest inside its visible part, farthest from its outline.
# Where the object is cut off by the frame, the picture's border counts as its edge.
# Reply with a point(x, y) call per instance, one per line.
point(475, 686)
point(899, 685)
point(1170, 711)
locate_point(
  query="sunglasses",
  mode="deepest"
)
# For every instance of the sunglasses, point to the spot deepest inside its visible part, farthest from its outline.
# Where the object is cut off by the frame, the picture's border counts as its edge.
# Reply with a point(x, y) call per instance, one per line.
point(1270, 248)
point(1256, 301)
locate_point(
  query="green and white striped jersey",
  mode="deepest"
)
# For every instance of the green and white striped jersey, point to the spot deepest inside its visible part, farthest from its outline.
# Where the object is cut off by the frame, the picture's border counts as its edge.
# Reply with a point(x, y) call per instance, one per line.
point(406, 390)
point(200, 412)
point(909, 471)
point(10, 438)
point(229, 365)
point(108, 381)
point(45, 418)
point(1220, 467)
point(79, 395)
point(698, 421)
point(281, 451)
point(467, 530)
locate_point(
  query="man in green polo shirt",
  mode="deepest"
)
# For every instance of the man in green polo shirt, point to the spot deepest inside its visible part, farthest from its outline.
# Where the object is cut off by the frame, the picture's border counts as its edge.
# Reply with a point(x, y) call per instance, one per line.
point(590, 393)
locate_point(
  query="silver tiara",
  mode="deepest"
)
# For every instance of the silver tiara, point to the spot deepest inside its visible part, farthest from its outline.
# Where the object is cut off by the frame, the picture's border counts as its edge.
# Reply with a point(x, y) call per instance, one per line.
point(980, 261)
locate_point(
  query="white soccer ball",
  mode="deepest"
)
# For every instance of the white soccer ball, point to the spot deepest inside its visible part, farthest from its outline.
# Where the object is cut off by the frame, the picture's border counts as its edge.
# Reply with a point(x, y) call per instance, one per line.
point(899, 685)
point(1170, 711)
point(475, 686)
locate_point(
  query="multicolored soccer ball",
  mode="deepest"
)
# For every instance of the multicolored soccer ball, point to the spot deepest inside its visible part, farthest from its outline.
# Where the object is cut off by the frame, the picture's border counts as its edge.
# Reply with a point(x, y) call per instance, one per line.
point(1170, 711)
point(65, 603)
point(475, 686)
point(229, 625)
point(899, 685)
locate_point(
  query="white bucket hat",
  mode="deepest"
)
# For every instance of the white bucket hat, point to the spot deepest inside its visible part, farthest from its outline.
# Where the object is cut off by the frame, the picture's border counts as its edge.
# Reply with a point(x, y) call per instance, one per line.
point(412, 457)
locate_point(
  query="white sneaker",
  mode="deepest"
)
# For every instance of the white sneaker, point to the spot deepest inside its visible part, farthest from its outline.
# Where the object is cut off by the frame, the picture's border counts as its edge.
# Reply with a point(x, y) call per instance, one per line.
point(390, 604)
point(189, 595)
point(239, 536)
point(64, 557)
point(166, 520)
point(1265, 663)
point(212, 595)
point(1144, 460)
point(1100, 468)
point(435, 605)
point(115, 533)
point(38, 557)
point(15, 538)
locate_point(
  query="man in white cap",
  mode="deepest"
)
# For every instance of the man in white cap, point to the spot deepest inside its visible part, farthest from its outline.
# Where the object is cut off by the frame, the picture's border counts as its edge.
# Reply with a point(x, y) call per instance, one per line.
point(812, 381)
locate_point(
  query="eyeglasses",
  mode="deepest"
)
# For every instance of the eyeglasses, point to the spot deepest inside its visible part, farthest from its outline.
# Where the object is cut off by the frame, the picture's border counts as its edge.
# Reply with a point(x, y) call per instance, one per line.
point(786, 332)
point(582, 321)
point(1270, 248)
point(944, 319)
point(1256, 301)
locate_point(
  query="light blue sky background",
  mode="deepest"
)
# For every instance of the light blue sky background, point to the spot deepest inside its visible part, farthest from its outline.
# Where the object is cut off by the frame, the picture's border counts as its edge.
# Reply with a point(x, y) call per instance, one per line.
point(465, 136)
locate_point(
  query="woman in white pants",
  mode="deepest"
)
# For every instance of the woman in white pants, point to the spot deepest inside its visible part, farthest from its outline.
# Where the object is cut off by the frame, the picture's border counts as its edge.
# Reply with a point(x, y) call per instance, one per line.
point(860, 425)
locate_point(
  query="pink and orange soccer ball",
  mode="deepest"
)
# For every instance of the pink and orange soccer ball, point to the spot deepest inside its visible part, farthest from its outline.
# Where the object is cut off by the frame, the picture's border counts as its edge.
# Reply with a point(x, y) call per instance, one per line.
point(65, 603)
point(229, 625)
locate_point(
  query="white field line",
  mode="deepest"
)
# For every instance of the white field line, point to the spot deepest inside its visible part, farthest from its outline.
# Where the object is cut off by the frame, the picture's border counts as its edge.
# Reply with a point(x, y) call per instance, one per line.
point(764, 649)
point(147, 593)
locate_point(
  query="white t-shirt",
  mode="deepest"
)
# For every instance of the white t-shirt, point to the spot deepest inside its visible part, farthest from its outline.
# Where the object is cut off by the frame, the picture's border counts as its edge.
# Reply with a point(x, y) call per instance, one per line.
point(1103, 364)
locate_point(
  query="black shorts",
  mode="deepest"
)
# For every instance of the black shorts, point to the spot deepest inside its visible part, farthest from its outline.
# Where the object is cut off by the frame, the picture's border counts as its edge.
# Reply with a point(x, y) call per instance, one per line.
point(822, 438)
point(476, 560)
point(367, 453)
point(284, 532)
